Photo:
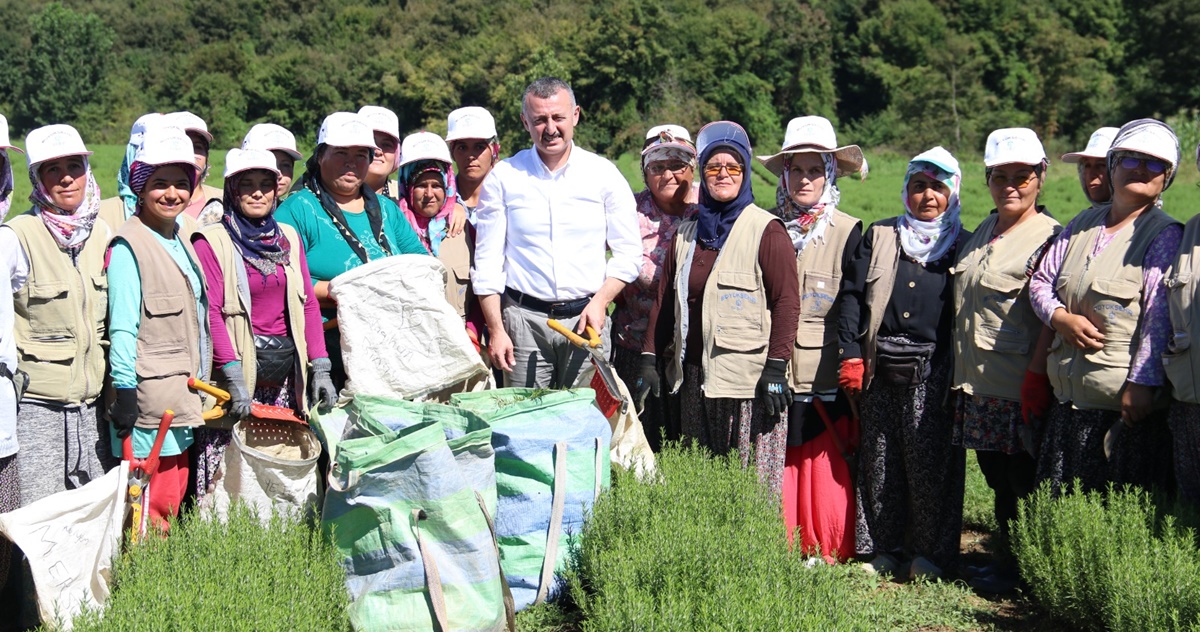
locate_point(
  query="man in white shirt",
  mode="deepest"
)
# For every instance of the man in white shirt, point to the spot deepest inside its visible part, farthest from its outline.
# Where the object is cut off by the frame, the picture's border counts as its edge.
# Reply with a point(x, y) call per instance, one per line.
point(545, 221)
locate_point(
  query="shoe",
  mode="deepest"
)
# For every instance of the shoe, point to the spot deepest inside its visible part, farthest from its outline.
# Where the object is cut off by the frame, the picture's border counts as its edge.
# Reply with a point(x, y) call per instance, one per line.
point(814, 561)
point(980, 571)
point(883, 564)
point(921, 568)
point(995, 584)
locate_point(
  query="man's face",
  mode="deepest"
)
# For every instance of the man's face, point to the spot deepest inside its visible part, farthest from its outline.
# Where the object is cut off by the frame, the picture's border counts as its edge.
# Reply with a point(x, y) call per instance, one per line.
point(550, 122)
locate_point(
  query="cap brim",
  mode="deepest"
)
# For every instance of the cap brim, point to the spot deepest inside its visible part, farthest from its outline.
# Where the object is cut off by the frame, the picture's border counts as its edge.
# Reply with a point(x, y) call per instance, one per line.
point(287, 150)
point(13, 147)
point(1076, 156)
point(849, 159)
point(1141, 150)
point(688, 148)
point(56, 156)
point(465, 135)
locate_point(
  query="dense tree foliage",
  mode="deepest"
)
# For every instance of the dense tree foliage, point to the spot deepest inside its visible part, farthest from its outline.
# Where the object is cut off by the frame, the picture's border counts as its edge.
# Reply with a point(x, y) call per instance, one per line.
point(904, 73)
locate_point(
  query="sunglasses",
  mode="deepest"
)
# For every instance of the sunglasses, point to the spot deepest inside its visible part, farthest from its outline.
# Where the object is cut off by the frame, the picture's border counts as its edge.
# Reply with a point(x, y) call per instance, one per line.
point(733, 170)
point(1152, 165)
point(1017, 182)
point(661, 167)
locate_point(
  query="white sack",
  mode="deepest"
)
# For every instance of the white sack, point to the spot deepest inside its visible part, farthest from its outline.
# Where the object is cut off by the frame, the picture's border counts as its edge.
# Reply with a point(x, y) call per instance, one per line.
point(270, 466)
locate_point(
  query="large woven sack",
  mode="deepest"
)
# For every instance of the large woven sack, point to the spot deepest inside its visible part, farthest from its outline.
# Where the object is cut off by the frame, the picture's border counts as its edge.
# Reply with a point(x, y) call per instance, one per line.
point(271, 466)
point(630, 449)
point(415, 539)
point(552, 462)
point(400, 338)
point(70, 539)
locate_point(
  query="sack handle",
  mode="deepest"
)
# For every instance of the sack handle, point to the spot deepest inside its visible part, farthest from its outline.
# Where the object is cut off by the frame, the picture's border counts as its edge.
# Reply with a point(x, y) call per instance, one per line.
point(599, 468)
point(433, 580)
point(556, 516)
point(510, 606)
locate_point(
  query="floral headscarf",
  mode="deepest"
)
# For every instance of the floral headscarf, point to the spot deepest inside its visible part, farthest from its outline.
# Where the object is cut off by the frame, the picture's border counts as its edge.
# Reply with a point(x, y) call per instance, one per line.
point(926, 241)
point(69, 227)
point(260, 241)
point(431, 230)
point(807, 223)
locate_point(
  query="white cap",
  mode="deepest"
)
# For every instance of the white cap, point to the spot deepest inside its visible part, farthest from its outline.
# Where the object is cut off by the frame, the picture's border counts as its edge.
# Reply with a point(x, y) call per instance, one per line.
point(4, 142)
point(239, 160)
point(424, 146)
point(1019, 145)
point(271, 137)
point(138, 131)
point(166, 145)
point(470, 122)
point(1097, 146)
point(54, 141)
point(381, 120)
point(346, 129)
point(188, 122)
point(668, 136)
point(1150, 137)
point(814, 134)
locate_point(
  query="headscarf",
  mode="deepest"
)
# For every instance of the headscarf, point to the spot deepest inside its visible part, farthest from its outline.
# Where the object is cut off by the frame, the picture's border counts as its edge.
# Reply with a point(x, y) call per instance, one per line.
point(716, 219)
point(140, 172)
point(1146, 136)
point(807, 223)
point(311, 180)
point(260, 241)
point(124, 190)
point(69, 227)
point(431, 230)
point(925, 241)
point(6, 183)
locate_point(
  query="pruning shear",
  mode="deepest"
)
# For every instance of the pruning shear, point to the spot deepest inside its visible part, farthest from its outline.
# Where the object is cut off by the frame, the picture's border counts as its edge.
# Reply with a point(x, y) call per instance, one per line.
point(140, 471)
point(261, 411)
point(609, 398)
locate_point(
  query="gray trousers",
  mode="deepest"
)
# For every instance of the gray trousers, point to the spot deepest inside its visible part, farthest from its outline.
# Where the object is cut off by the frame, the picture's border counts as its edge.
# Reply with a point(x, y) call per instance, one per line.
point(61, 448)
point(544, 357)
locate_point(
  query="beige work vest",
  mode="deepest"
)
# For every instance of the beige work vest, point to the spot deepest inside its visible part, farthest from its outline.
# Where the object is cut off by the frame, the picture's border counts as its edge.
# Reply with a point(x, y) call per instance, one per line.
point(814, 364)
point(236, 310)
point(168, 342)
point(735, 321)
point(112, 211)
point(995, 328)
point(1181, 364)
point(60, 314)
point(455, 254)
point(1107, 289)
point(881, 278)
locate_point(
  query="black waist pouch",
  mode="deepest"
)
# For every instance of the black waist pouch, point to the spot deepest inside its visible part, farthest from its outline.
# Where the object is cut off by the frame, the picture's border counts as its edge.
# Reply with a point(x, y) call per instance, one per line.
point(276, 359)
point(900, 362)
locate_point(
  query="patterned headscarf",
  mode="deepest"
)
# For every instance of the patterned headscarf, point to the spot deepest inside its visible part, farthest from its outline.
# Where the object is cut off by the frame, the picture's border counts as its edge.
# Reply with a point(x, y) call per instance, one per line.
point(6, 183)
point(431, 230)
point(925, 241)
point(260, 241)
point(69, 227)
point(807, 223)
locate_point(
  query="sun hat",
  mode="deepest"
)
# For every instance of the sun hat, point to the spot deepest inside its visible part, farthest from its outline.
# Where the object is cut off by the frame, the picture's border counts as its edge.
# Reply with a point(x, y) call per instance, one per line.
point(239, 160)
point(188, 122)
point(166, 145)
point(1150, 137)
point(1019, 145)
point(1097, 145)
point(470, 122)
point(381, 119)
point(4, 142)
point(814, 134)
point(424, 146)
point(271, 137)
point(346, 129)
point(54, 141)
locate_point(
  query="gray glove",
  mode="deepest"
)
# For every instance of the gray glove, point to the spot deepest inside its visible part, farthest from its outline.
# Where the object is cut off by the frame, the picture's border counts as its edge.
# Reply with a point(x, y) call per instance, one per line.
point(239, 398)
point(321, 388)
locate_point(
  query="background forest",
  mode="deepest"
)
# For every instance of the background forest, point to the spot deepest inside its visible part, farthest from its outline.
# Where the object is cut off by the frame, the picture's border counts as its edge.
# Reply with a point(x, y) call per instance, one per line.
point(904, 74)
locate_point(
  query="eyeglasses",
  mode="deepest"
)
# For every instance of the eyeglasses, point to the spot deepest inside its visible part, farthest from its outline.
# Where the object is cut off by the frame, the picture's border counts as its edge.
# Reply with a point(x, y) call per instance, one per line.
point(663, 166)
point(734, 170)
point(1152, 165)
point(1016, 182)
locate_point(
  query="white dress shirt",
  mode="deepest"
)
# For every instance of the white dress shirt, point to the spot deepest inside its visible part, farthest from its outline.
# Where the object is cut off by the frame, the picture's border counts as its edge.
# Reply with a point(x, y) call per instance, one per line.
point(546, 233)
point(14, 263)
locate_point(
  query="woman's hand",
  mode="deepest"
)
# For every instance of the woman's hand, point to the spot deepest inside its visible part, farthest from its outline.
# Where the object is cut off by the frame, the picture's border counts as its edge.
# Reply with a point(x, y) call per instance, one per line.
point(458, 220)
point(1076, 330)
point(1137, 400)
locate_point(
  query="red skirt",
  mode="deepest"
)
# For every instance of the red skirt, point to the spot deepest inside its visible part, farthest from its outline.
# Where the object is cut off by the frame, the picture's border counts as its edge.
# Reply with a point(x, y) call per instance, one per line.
point(818, 496)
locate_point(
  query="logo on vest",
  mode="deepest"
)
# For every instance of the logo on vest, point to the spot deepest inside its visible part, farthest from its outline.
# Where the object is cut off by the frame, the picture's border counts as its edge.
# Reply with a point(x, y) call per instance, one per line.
point(1111, 311)
point(739, 300)
point(816, 301)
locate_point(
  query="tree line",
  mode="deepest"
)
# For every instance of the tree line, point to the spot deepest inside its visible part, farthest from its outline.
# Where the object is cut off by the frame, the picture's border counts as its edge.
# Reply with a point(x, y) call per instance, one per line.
point(901, 73)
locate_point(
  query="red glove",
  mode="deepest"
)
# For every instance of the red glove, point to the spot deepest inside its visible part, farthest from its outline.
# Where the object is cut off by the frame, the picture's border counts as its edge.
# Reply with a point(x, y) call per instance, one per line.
point(850, 376)
point(1036, 396)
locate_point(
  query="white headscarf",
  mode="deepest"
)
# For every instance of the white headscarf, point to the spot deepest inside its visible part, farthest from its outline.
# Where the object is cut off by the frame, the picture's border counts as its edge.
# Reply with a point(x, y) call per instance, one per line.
point(926, 241)
point(808, 223)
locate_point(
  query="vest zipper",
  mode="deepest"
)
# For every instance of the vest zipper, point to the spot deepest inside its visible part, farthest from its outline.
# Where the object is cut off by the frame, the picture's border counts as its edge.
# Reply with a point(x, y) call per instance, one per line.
point(89, 326)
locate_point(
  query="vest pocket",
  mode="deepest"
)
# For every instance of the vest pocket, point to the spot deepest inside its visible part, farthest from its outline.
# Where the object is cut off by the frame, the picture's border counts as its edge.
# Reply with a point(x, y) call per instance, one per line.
point(1001, 340)
point(50, 309)
point(815, 335)
point(741, 339)
point(1113, 304)
point(162, 324)
point(1116, 351)
point(738, 299)
point(58, 350)
point(1177, 364)
point(998, 295)
point(818, 291)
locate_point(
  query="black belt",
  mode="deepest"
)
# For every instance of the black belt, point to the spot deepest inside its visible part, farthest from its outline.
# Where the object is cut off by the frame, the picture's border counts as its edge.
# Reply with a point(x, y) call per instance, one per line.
point(562, 309)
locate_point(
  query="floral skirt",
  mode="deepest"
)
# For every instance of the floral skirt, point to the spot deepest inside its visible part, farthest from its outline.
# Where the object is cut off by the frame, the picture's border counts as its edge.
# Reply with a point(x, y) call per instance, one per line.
point(1072, 447)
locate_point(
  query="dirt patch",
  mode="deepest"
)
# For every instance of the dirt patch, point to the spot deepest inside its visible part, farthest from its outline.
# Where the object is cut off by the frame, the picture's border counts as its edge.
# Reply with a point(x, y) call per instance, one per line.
point(1009, 612)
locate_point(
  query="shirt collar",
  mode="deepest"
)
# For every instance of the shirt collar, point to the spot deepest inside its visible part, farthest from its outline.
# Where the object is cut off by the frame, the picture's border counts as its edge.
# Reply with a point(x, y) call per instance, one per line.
point(545, 171)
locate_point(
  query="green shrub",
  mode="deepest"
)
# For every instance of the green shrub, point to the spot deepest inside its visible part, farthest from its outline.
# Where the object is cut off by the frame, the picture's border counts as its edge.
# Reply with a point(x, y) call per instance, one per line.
point(1108, 561)
point(702, 547)
point(237, 575)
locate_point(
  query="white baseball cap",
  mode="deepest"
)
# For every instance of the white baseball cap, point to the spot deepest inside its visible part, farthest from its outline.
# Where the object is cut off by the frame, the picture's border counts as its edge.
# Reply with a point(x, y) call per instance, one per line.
point(424, 146)
point(239, 160)
point(814, 134)
point(1150, 137)
point(166, 145)
point(138, 131)
point(346, 129)
point(470, 122)
point(4, 142)
point(271, 137)
point(381, 119)
point(1013, 145)
point(188, 122)
point(54, 141)
point(1097, 145)
point(661, 136)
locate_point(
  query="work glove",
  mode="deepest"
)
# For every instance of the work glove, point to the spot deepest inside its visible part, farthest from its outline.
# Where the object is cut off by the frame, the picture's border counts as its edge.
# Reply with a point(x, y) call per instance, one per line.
point(647, 379)
point(239, 397)
point(124, 411)
point(321, 388)
point(850, 376)
point(773, 392)
point(1036, 397)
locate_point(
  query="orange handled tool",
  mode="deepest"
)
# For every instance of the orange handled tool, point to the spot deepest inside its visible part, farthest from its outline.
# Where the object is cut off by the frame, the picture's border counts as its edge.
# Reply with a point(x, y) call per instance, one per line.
point(604, 382)
point(262, 411)
point(593, 339)
point(140, 472)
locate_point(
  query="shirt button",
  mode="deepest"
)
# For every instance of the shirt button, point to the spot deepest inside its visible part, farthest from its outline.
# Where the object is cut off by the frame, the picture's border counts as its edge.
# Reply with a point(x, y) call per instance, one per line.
point(906, 314)
point(912, 284)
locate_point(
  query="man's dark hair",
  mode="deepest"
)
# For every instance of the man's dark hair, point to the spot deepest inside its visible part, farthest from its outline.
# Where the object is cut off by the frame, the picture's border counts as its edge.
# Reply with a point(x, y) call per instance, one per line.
point(544, 88)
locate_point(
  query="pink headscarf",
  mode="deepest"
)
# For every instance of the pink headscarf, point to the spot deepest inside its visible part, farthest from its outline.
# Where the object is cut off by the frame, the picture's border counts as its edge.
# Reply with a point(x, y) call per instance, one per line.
point(431, 230)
